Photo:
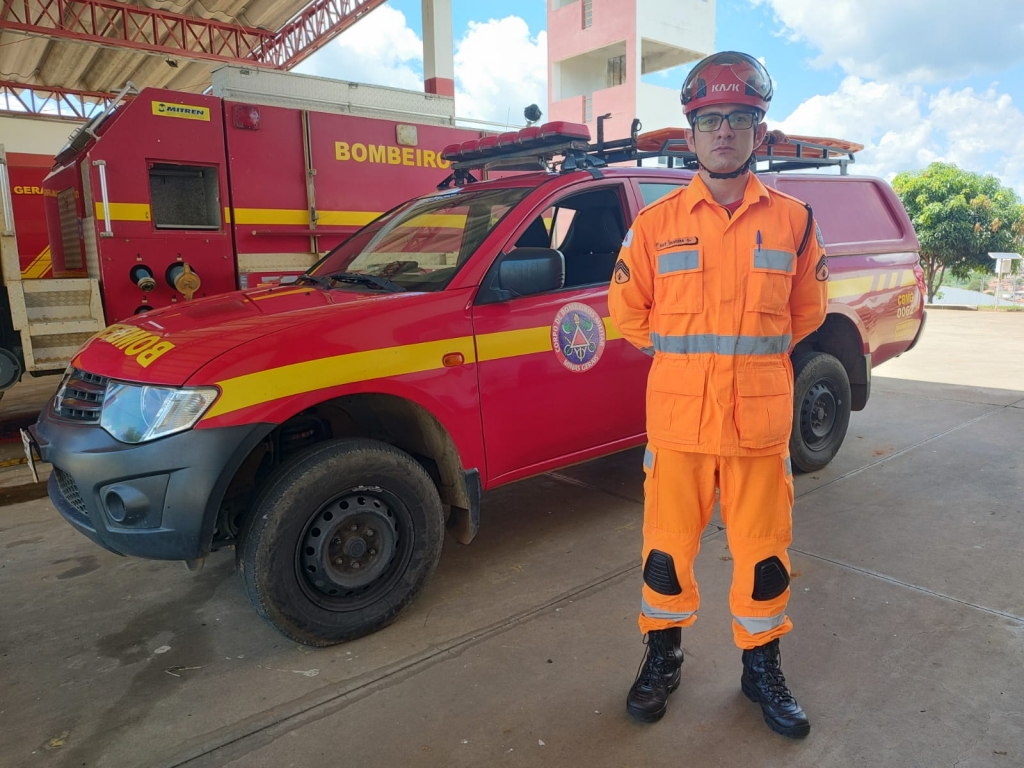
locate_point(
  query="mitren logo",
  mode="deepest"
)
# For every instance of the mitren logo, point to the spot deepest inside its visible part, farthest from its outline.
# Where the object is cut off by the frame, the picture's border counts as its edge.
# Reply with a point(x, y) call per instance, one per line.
point(164, 109)
point(725, 88)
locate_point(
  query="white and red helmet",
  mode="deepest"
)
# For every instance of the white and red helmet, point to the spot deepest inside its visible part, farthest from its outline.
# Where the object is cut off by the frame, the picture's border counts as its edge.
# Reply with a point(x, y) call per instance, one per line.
point(728, 77)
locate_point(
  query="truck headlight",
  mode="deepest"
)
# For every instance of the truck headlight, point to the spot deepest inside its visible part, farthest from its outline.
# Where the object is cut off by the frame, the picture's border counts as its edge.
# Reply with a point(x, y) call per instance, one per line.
point(136, 413)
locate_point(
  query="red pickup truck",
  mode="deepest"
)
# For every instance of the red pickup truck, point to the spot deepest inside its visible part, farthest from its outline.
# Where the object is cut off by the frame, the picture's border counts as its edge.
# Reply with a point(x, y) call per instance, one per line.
point(330, 428)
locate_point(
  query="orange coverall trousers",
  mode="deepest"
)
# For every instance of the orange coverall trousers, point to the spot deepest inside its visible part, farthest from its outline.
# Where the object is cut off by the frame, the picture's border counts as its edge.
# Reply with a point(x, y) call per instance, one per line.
point(756, 497)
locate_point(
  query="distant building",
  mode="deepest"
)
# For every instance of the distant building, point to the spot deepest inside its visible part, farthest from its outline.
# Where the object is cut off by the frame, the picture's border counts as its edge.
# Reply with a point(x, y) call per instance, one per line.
point(598, 51)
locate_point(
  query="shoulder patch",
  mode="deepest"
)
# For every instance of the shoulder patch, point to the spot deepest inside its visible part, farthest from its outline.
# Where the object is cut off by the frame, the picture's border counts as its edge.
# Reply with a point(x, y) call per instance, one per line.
point(621, 272)
point(821, 270)
point(628, 241)
point(817, 234)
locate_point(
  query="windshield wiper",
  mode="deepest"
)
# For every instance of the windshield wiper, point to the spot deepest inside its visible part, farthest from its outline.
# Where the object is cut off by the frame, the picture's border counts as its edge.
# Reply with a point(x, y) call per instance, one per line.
point(364, 279)
point(319, 281)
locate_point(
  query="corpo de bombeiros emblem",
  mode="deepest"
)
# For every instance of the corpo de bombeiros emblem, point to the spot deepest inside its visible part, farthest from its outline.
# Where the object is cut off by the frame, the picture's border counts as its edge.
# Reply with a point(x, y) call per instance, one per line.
point(577, 336)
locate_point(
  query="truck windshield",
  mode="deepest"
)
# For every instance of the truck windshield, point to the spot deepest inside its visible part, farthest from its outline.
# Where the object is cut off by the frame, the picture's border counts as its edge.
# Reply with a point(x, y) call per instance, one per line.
point(420, 245)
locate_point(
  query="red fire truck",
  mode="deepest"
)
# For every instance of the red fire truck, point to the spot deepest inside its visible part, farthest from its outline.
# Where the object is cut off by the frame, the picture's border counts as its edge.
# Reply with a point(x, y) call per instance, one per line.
point(172, 196)
point(28, 255)
point(327, 428)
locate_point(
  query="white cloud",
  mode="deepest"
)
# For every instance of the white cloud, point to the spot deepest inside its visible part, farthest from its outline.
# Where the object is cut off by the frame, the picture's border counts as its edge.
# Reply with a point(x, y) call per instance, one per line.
point(918, 40)
point(499, 67)
point(903, 128)
point(499, 70)
point(380, 50)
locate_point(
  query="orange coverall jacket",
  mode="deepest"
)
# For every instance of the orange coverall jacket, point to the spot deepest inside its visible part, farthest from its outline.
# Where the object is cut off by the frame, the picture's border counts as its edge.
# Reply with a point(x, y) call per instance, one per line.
point(720, 302)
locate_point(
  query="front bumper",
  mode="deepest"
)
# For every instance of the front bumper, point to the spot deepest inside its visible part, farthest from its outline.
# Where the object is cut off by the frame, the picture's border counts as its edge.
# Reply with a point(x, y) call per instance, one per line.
point(157, 500)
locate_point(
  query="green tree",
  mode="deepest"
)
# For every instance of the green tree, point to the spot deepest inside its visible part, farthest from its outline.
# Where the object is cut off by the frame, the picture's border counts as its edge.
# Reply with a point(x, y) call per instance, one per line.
point(959, 217)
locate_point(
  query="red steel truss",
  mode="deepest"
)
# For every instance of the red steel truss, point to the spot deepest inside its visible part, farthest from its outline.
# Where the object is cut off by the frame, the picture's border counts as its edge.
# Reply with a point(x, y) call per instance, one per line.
point(148, 30)
point(20, 99)
point(312, 28)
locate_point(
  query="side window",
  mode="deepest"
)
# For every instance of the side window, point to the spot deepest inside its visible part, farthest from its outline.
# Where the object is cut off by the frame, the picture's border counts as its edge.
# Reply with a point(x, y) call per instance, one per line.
point(562, 223)
point(652, 191)
point(588, 228)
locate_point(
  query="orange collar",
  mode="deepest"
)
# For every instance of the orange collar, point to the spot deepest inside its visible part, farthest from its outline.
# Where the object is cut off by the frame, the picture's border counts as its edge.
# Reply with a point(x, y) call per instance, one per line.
point(698, 190)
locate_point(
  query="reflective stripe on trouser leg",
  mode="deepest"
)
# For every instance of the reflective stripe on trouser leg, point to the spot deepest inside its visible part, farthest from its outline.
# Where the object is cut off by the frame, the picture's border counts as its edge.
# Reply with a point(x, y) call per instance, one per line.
point(757, 504)
point(679, 496)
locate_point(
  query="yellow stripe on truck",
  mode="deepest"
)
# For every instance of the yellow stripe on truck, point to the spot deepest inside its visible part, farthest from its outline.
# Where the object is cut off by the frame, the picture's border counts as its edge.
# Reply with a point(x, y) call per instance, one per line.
point(125, 212)
point(859, 286)
point(496, 346)
point(39, 267)
point(311, 375)
point(300, 217)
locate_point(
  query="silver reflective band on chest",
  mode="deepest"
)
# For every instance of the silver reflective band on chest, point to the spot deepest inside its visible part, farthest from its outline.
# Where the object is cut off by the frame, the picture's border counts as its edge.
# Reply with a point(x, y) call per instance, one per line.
point(756, 625)
point(774, 260)
point(651, 612)
point(699, 343)
point(678, 261)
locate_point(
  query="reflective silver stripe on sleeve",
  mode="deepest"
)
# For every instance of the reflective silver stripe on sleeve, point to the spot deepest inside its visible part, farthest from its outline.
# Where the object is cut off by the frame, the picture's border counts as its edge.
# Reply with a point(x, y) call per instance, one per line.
point(629, 239)
point(698, 343)
point(656, 613)
point(789, 467)
point(648, 351)
point(678, 261)
point(756, 625)
point(648, 459)
point(776, 260)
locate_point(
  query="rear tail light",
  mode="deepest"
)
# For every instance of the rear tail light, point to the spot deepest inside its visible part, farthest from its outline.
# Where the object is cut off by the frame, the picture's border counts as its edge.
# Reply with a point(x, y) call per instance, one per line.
point(919, 276)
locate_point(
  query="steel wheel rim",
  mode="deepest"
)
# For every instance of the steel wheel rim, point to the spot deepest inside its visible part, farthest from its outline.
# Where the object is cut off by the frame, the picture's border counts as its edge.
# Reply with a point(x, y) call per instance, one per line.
point(354, 549)
point(819, 414)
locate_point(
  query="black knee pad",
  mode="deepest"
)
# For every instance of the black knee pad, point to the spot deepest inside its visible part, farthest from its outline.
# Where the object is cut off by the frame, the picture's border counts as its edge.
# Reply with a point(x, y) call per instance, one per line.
point(770, 579)
point(660, 574)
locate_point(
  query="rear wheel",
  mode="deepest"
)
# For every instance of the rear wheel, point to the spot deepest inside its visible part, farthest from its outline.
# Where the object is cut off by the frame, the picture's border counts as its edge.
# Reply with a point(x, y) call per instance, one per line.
point(10, 370)
point(340, 541)
point(821, 412)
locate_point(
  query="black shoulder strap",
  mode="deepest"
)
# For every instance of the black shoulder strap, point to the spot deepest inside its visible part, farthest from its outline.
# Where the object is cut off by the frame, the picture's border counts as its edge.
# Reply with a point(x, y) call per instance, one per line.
point(807, 231)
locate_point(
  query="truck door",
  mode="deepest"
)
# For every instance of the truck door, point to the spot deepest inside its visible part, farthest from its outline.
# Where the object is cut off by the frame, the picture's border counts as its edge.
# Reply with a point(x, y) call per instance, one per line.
point(556, 380)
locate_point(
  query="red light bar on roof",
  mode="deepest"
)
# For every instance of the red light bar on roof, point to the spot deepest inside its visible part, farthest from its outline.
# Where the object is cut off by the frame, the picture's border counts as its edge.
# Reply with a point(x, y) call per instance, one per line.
point(564, 129)
point(507, 139)
point(550, 136)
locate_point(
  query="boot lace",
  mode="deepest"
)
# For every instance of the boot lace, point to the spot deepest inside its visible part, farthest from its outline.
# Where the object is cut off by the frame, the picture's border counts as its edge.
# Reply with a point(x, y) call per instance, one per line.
point(653, 667)
point(774, 680)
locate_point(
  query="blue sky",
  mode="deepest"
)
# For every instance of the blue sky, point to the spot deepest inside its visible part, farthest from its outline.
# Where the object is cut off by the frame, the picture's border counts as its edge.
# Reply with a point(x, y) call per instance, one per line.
point(912, 80)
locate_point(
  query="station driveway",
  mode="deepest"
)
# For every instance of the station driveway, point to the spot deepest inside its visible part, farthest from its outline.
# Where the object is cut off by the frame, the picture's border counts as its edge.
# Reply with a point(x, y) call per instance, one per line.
point(908, 601)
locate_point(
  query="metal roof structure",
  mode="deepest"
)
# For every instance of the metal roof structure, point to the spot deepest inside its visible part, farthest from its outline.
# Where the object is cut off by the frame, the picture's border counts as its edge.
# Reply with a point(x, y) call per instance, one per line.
point(65, 51)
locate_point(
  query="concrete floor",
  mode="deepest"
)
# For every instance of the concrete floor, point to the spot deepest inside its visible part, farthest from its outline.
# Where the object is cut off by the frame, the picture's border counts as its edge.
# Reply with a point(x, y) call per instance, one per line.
point(908, 602)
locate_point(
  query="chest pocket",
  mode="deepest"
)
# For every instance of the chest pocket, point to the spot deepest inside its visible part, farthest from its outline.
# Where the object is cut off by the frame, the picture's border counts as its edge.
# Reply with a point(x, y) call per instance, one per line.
point(679, 282)
point(770, 280)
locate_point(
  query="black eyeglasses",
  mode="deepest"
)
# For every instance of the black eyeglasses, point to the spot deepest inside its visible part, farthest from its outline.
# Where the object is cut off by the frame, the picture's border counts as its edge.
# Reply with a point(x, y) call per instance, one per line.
point(712, 121)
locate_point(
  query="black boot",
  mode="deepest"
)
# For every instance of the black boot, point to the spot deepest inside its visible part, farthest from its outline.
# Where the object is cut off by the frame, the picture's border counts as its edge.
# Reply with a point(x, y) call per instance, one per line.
point(764, 684)
point(658, 675)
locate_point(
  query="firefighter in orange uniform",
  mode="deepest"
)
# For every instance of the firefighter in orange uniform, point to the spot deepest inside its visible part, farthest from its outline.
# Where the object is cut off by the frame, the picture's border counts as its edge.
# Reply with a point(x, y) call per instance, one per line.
point(718, 281)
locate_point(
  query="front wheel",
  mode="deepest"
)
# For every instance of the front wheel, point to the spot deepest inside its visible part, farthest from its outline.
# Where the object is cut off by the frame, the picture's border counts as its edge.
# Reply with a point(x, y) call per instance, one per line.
point(340, 541)
point(821, 412)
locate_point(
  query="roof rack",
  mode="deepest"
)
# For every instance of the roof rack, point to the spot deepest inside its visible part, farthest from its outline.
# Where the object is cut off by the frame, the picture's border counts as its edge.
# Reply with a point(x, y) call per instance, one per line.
point(563, 146)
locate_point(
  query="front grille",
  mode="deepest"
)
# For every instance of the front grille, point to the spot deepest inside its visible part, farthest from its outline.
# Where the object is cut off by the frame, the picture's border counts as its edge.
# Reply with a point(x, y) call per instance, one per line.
point(81, 396)
point(69, 489)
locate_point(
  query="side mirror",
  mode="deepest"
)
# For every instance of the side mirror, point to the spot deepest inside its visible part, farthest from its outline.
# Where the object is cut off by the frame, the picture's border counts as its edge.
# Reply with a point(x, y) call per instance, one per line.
point(526, 271)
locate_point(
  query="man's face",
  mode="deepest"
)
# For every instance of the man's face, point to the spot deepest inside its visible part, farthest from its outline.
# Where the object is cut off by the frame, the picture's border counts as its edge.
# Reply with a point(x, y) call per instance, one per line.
point(727, 148)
